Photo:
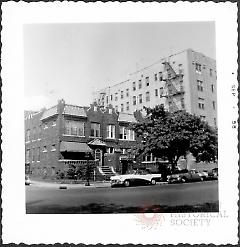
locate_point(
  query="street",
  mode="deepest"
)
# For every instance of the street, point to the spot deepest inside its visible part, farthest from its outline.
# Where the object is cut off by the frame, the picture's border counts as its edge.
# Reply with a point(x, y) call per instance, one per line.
point(165, 198)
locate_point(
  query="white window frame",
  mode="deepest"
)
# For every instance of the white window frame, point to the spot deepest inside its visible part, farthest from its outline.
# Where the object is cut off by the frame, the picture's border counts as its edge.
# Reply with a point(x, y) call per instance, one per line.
point(127, 106)
point(53, 147)
point(127, 134)
point(134, 100)
point(95, 130)
point(28, 135)
point(147, 96)
point(44, 149)
point(28, 156)
point(111, 131)
point(147, 81)
point(77, 126)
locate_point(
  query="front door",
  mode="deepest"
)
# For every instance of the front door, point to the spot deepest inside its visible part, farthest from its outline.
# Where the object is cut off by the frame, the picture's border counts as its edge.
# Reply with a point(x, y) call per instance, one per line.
point(98, 156)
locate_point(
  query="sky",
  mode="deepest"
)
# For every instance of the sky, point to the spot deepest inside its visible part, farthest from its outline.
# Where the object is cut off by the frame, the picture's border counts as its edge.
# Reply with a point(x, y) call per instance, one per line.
point(70, 61)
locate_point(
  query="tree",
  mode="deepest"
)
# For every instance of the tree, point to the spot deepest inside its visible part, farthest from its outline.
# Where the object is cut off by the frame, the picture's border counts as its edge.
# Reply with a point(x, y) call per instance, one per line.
point(170, 135)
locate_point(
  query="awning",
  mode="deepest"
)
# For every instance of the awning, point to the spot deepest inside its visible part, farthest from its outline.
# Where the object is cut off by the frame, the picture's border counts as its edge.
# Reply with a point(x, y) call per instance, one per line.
point(75, 147)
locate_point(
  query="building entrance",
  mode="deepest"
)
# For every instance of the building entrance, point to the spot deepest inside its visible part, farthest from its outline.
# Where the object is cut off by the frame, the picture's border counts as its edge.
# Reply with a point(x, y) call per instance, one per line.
point(98, 156)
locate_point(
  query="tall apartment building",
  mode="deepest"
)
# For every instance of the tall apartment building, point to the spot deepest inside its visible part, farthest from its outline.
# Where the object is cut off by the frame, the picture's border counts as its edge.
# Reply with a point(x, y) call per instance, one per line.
point(184, 81)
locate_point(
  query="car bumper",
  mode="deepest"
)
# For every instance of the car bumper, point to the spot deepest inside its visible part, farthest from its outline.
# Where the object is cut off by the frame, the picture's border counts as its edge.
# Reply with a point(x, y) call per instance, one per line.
point(174, 180)
point(116, 183)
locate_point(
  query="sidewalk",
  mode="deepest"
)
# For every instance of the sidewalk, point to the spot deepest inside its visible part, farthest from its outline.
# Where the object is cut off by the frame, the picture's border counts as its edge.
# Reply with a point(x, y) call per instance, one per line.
point(58, 184)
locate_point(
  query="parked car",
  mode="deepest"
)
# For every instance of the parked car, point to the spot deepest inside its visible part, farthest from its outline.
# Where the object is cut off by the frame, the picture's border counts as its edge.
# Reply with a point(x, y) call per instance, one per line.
point(27, 180)
point(214, 173)
point(204, 174)
point(135, 178)
point(183, 177)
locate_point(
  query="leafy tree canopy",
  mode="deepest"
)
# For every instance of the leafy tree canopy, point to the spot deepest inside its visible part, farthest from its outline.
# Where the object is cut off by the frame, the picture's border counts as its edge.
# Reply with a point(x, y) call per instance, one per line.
point(171, 135)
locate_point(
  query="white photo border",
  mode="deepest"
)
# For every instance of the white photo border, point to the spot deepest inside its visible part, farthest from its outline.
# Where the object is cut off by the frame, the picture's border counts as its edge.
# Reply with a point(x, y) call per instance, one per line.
point(18, 227)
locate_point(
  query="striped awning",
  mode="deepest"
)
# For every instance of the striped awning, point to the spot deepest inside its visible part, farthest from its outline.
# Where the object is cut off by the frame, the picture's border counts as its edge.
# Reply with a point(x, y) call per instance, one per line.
point(75, 147)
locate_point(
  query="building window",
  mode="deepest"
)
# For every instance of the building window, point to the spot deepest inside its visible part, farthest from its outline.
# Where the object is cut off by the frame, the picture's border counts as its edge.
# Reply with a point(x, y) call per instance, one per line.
point(74, 128)
point(214, 105)
point(147, 81)
point(111, 97)
point(53, 147)
point(155, 77)
point(28, 156)
point(28, 136)
point(111, 131)
point(116, 108)
point(134, 86)
point(126, 134)
point(127, 92)
point(45, 126)
point(180, 69)
point(33, 154)
point(44, 149)
point(149, 157)
point(212, 87)
point(200, 85)
point(161, 92)
point(121, 94)
point(39, 132)
point(169, 73)
point(110, 111)
point(215, 121)
point(95, 130)
point(140, 99)
point(139, 84)
point(210, 72)
point(122, 107)
point(147, 96)
point(201, 103)
point(34, 133)
point(182, 103)
point(116, 96)
point(110, 150)
point(160, 76)
point(127, 106)
point(38, 154)
point(198, 68)
point(134, 100)
point(156, 92)
point(107, 99)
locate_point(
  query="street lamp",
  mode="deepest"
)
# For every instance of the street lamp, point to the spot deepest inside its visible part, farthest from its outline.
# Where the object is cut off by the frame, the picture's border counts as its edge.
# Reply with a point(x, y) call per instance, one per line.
point(87, 170)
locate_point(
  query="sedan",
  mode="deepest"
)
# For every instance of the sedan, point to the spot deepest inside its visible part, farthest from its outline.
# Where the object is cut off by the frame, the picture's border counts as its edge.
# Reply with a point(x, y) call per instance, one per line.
point(136, 178)
point(189, 176)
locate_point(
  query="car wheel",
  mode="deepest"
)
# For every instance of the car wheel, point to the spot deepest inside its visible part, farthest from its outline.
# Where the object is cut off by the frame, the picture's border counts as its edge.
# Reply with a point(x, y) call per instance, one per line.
point(153, 181)
point(126, 183)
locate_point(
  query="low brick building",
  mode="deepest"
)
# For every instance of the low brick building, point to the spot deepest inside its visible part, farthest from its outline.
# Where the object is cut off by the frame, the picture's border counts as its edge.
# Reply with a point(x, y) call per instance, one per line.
point(69, 135)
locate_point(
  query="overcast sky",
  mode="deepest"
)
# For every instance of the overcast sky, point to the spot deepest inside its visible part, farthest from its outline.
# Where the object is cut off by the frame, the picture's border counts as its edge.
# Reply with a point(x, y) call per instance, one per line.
point(70, 61)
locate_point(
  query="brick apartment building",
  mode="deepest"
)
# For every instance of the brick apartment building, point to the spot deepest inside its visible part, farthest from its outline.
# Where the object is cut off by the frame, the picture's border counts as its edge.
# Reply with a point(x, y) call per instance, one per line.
point(186, 81)
point(67, 135)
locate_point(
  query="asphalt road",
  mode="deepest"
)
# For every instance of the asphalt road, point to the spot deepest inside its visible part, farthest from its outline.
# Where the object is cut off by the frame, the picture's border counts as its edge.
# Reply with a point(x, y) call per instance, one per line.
point(190, 197)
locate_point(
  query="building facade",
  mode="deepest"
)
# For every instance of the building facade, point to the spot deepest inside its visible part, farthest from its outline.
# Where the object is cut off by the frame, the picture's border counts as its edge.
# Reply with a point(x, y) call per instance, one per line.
point(183, 81)
point(67, 135)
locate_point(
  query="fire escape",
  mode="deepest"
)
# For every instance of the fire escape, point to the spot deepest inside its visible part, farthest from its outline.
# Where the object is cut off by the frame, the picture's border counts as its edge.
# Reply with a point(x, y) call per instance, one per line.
point(173, 89)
